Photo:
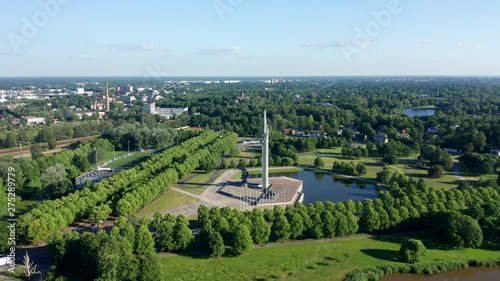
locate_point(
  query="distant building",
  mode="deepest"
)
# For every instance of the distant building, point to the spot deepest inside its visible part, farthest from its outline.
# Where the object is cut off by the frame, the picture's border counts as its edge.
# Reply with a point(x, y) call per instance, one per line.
point(150, 108)
point(33, 120)
point(125, 89)
point(127, 99)
point(80, 91)
point(170, 112)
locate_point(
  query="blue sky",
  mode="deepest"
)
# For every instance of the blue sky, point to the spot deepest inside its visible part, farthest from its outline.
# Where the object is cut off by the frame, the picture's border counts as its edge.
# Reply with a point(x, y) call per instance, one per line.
point(249, 37)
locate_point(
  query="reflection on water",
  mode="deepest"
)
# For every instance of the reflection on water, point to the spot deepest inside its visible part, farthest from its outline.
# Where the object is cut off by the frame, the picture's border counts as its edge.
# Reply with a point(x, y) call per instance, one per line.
point(469, 274)
point(321, 186)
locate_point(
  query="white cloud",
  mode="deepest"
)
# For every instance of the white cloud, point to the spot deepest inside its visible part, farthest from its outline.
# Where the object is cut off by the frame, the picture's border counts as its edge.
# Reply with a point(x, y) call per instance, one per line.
point(233, 50)
point(140, 46)
point(482, 46)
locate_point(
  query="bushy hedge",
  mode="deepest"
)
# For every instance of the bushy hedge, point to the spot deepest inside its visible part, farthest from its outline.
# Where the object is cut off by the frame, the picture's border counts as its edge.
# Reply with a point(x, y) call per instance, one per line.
point(375, 273)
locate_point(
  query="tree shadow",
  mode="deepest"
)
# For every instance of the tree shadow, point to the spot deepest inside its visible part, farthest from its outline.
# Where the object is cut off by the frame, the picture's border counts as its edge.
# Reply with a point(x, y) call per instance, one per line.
point(388, 255)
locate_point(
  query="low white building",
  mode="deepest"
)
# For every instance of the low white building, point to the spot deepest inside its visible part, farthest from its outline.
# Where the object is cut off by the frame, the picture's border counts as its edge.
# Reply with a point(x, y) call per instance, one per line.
point(33, 120)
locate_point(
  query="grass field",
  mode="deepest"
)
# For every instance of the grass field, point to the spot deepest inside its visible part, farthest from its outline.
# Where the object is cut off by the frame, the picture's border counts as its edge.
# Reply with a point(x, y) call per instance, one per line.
point(133, 159)
point(169, 199)
point(316, 261)
point(198, 183)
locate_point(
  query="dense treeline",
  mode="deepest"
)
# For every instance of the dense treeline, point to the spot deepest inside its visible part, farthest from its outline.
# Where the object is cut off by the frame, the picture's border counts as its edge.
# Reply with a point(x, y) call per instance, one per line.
point(461, 216)
point(51, 216)
point(125, 253)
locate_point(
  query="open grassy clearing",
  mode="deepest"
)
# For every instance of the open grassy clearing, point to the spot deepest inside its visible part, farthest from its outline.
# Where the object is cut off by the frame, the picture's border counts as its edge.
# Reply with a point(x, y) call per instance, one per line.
point(168, 200)
point(133, 159)
point(316, 261)
point(197, 182)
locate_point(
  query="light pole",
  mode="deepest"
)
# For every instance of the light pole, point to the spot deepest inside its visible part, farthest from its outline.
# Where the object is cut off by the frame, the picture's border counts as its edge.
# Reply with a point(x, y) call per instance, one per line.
point(114, 155)
point(128, 145)
point(21, 146)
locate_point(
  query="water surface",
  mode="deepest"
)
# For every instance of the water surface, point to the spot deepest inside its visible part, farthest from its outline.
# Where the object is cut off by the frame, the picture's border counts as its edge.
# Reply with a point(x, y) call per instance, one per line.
point(321, 186)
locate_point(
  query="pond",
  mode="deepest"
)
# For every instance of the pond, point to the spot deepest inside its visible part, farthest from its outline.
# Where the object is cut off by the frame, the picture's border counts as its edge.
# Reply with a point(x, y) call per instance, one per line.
point(469, 274)
point(321, 186)
point(412, 112)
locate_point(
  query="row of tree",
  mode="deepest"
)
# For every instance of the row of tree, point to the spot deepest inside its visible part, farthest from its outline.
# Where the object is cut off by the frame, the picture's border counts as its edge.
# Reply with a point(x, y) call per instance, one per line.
point(241, 229)
point(349, 168)
point(125, 253)
point(142, 194)
point(51, 216)
point(414, 206)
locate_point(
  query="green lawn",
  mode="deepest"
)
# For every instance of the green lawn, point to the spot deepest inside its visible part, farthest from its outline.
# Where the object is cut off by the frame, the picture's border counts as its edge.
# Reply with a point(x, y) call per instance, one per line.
point(168, 200)
point(317, 261)
point(133, 159)
point(336, 150)
point(198, 183)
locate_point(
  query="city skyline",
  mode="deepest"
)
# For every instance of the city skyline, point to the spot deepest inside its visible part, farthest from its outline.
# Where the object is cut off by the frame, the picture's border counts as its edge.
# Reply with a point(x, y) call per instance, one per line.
point(248, 38)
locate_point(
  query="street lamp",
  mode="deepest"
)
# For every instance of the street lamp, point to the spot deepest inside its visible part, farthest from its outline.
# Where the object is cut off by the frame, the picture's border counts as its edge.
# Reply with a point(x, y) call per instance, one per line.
point(21, 146)
point(128, 145)
point(114, 155)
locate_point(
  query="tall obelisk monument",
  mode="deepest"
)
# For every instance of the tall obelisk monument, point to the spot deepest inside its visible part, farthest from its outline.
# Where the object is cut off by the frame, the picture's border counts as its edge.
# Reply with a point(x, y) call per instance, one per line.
point(265, 155)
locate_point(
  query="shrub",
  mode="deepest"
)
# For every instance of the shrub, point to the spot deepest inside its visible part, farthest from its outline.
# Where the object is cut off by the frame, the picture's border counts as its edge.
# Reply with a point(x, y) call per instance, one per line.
point(412, 251)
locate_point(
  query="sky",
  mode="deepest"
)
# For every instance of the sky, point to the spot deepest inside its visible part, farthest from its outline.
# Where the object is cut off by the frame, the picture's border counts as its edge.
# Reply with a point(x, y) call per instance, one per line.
point(249, 38)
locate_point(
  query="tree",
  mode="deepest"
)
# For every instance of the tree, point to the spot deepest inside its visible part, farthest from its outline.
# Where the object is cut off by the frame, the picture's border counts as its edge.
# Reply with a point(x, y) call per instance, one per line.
point(150, 268)
point(224, 164)
point(390, 159)
point(412, 251)
point(318, 163)
point(260, 228)
point(182, 234)
point(242, 240)
point(281, 227)
point(461, 231)
point(361, 169)
point(232, 164)
point(36, 151)
point(370, 219)
point(296, 226)
point(435, 171)
point(52, 142)
point(242, 164)
point(144, 242)
point(100, 213)
point(328, 224)
point(216, 244)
